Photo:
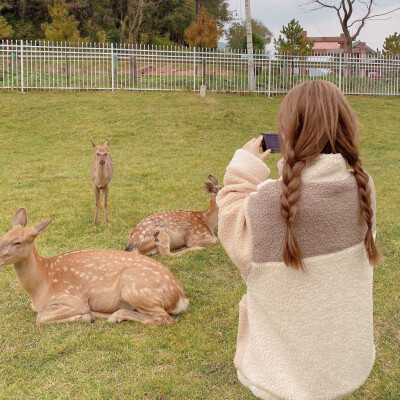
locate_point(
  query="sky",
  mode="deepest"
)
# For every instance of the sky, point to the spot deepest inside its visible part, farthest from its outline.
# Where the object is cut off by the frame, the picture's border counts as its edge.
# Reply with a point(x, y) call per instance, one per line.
point(276, 13)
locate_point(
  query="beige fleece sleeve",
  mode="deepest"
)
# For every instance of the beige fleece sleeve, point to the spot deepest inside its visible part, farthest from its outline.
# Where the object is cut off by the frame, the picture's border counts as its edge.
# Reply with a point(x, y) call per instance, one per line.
point(243, 174)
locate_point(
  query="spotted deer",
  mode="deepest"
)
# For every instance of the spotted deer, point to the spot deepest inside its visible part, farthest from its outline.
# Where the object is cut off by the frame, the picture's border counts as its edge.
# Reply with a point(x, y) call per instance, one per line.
point(102, 172)
point(86, 284)
point(160, 233)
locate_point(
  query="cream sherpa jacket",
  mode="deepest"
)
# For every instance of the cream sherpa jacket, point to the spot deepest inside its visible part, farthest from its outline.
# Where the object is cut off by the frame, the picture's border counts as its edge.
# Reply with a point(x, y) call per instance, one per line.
point(302, 336)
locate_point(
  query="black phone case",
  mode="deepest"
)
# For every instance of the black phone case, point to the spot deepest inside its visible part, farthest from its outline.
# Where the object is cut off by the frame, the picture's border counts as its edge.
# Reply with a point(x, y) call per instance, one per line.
point(270, 141)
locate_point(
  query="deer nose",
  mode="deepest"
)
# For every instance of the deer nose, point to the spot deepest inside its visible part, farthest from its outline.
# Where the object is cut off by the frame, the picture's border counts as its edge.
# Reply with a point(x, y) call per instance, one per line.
point(102, 162)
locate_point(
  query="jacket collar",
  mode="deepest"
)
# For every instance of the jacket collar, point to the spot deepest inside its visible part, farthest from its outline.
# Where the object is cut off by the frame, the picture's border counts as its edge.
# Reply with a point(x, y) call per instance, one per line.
point(326, 167)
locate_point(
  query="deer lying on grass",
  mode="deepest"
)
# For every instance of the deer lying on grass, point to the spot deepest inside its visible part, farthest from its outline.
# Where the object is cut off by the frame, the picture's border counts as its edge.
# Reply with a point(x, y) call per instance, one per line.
point(169, 230)
point(102, 173)
point(85, 284)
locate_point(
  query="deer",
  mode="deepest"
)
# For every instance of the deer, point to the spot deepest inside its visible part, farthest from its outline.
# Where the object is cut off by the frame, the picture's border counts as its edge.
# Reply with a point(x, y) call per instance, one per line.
point(83, 285)
point(102, 172)
point(169, 230)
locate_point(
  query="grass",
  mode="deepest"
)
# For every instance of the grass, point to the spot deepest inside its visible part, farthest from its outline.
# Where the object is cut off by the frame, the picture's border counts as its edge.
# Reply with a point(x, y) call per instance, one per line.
point(163, 145)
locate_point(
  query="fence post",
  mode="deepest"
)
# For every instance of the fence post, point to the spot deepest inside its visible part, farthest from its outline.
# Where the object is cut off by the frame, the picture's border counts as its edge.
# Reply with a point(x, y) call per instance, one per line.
point(22, 66)
point(134, 73)
point(269, 73)
point(194, 69)
point(66, 68)
point(112, 66)
point(340, 71)
point(204, 66)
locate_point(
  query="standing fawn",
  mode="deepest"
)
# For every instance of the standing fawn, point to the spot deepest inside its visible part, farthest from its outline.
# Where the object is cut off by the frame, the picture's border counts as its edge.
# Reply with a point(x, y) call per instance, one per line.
point(85, 284)
point(169, 230)
point(102, 173)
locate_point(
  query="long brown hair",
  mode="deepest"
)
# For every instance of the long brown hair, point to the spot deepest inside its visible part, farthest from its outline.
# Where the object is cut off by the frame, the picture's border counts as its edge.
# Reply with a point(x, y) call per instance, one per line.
point(316, 118)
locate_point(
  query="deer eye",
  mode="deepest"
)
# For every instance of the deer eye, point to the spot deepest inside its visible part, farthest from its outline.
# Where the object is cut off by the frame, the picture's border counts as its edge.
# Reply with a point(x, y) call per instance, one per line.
point(105, 154)
point(98, 154)
point(16, 244)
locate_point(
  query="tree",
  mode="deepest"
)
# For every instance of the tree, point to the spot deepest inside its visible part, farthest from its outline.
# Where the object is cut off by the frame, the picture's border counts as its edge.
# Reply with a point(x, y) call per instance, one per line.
point(352, 14)
point(6, 30)
point(391, 47)
point(25, 17)
point(63, 26)
point(258, 43)
point(219, 9)
point(293, 41)
point(168, 21)
point(204, 32)
point(135, 17)
point(237, 31)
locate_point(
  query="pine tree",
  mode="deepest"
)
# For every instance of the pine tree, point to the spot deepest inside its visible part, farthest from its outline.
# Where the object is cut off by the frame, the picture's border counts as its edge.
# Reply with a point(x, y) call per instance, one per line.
point(63, 26)
point(204, 32)
point(293, 41)
point(391, 47)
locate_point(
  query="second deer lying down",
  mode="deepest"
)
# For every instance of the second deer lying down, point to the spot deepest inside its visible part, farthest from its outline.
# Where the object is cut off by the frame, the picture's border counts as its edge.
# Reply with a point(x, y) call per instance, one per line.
point(85, 284)
point(169, 230)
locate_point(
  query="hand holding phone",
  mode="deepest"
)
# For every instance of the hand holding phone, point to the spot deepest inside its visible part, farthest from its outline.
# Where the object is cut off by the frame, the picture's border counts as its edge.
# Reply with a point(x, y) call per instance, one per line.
point(253, 146)
point(270, 141)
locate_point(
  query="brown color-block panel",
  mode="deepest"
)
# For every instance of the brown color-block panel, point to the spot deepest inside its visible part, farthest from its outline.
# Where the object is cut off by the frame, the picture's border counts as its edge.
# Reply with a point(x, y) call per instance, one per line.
point(327, 220)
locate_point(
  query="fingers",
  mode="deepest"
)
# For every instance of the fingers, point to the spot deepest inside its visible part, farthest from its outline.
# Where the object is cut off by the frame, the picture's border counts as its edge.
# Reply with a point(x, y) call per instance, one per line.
point(253, 146)
point(259, 140)
point(264, 156)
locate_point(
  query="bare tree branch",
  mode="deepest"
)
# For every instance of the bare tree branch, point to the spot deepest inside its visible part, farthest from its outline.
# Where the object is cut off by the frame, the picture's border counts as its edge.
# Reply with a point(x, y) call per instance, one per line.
point(345, 9)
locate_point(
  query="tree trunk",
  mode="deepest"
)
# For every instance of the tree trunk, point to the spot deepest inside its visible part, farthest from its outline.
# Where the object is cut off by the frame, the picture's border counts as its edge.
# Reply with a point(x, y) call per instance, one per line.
point(350, 64)
point(135, 15)
point(249, 34)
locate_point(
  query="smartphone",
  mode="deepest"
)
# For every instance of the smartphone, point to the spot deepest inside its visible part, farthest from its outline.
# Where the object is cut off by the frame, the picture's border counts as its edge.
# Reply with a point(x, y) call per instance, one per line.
point(270, 141)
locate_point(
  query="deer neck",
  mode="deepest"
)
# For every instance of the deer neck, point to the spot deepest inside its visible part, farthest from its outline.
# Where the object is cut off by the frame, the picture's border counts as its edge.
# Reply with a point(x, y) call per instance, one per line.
point(101, 172)
point(211, 215)
point(31, 275)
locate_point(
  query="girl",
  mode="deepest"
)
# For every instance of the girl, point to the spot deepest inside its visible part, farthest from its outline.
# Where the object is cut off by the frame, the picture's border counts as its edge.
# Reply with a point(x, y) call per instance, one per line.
point(304, 245)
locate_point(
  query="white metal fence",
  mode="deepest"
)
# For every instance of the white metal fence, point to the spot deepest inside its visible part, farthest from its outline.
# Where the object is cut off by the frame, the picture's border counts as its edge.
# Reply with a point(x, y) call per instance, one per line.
point(86, 66)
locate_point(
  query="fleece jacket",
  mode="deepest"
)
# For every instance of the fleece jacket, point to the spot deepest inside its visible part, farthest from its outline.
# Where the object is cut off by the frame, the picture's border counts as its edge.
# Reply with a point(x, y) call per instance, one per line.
point(302, 335)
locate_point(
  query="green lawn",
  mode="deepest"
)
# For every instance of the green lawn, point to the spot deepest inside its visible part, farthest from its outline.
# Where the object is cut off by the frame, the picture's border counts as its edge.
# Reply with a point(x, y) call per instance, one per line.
point(164, 145)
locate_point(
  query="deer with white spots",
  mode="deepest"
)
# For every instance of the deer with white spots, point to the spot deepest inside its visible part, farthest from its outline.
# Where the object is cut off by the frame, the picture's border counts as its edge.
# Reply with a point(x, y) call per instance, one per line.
point(87, 284)
point(160, 233)
point(102, 172)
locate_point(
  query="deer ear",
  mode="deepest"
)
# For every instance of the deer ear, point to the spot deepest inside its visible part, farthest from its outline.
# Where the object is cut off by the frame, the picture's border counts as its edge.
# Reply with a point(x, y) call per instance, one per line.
point(20, 218)
point(93, 144)
point(213, 180)
point(209, 187)
point(107, 143)
point(38, 229)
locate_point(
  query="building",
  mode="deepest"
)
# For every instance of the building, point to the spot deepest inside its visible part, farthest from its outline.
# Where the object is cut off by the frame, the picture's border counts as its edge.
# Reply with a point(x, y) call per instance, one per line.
point(338, 44)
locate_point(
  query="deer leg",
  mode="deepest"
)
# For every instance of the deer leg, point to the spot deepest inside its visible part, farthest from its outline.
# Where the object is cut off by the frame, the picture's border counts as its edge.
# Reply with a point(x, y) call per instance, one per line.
point(195, 243)
point(163, 243)
point(65, 310)
point(203, 240)
point(101, 315)
point(159, 317)
point(97, 197)
point(105, 194)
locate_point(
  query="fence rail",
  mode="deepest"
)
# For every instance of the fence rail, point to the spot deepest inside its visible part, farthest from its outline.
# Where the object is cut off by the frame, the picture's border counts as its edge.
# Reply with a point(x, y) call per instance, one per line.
point(85, 66)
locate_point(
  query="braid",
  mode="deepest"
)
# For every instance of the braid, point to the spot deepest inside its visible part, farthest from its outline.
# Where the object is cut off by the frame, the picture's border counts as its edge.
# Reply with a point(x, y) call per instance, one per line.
point(291, 182)
point(364, 195)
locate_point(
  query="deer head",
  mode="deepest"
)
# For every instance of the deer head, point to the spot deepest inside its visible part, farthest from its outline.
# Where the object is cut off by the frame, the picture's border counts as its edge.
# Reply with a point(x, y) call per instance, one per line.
point(212, 186)
point(101, 152)
point(17, 244)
